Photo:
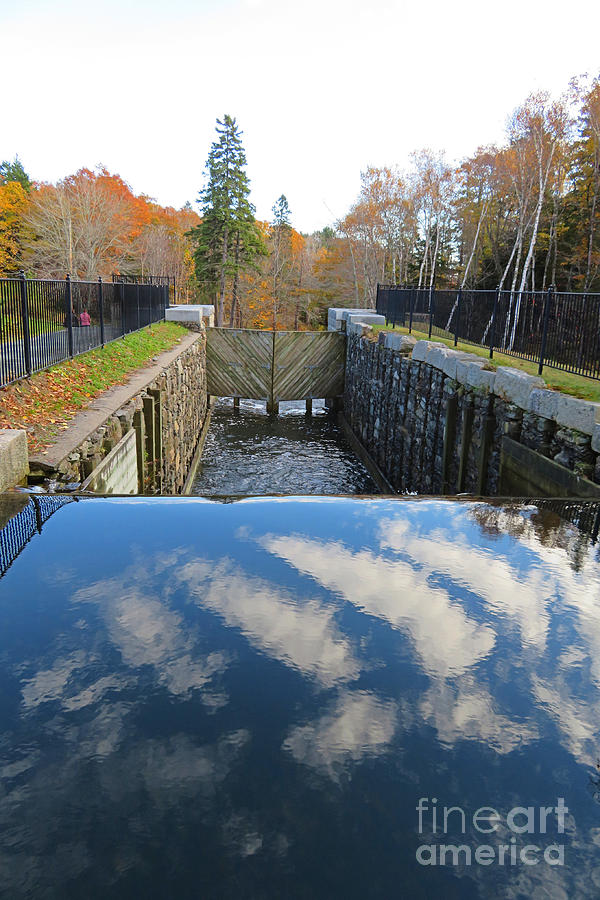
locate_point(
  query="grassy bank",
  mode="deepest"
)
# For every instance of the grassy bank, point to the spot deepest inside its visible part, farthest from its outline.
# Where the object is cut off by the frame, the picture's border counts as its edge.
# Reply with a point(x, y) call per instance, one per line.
point(585, 388)
point(44, 403)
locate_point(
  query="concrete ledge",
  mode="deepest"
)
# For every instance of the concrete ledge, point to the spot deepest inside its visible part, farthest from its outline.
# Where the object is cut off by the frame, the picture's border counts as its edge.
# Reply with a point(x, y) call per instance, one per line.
point(14, 460)
point(474, 373)
point(580, 415)
point(515, 386)
point(567, 411)
point(88, 420)
point(195, 314)
point(338, 314)
point(402, 343)
point(422, 349)
point(359, 328)
point(544, 402)
point(365, 318)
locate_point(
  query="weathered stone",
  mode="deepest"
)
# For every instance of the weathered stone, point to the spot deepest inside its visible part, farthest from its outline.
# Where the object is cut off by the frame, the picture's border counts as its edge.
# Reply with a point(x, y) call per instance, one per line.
point(596, 439)
point(359, 328)
point(580, 415)
point(475, 374)
point(422, 348)
point(544, 403)
point(337, 315)
point(515, 386)
point(366, 319)
point(451, 360)
point(401, 343)
point(14, 459)
point(194, 314)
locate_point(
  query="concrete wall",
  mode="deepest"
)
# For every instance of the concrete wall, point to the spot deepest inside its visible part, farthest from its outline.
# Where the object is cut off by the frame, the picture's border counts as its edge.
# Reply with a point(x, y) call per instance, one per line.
point(434, 420)
point(118, 471)
point(166, 417)
point(14, 460)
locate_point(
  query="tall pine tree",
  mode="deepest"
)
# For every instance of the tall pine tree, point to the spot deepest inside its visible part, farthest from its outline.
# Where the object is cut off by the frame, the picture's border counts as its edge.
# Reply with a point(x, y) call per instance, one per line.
point(227, 239)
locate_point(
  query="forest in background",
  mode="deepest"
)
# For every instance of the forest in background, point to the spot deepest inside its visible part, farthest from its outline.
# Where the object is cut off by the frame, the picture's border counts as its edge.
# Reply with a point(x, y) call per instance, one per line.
point(521, 216)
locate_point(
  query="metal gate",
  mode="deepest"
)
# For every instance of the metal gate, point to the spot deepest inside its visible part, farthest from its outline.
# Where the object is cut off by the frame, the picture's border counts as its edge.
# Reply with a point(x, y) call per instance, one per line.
point(275, 366)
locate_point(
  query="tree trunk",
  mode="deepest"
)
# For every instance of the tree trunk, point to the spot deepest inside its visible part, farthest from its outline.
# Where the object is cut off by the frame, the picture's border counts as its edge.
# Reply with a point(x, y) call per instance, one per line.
point(235, 281)
point(221, 306)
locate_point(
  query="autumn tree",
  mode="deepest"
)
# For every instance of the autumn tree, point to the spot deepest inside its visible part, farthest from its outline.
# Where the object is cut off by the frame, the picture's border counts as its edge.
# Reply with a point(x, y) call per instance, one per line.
point(13, 231)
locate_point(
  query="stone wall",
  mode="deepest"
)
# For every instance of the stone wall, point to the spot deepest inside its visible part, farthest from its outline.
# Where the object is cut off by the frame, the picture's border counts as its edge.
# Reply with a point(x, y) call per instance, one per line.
point(167, 416)
point(434, 419)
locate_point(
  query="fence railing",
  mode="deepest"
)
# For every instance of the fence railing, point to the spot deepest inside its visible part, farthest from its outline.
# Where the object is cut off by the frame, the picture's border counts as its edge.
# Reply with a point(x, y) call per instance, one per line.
point(19, 530)
point(44, 322)
point(555, 329)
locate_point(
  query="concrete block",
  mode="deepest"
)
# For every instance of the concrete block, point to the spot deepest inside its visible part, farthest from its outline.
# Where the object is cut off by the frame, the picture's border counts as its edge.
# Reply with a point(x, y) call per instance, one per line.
point(473, 373)
point(437, 355)
point(403, 343)
point(596, 439)
point(515, 386)
point(338, 314)
point(451, 361)
point(367, 318)
point(580, 415)
point(195, 314)
point(14, 458)
point(544, 403)
point(358, 328)
point(422, 348)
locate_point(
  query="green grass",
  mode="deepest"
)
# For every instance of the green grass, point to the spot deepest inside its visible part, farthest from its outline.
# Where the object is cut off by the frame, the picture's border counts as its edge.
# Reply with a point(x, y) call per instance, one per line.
point(576, 385)
point(44, 403)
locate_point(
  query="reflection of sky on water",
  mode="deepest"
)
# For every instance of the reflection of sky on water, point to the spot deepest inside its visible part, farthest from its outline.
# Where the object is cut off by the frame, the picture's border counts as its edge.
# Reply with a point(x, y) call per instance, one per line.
point(260, 692)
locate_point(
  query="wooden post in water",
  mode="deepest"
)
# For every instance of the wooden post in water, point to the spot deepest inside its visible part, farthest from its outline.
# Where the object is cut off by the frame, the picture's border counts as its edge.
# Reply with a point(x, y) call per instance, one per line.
point(309, 407)
point(236, 404)
point(272, 407)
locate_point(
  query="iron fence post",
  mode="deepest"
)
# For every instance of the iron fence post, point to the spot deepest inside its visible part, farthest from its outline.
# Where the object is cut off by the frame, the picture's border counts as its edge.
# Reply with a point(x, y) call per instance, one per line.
point(137, 300)
point(458, 305)
point(430, 310)
point(412, 307)
point(69, 314)
point(122, 296)
point(493, 325)
point(547, 305)
point(101, 311)
point(25, 315)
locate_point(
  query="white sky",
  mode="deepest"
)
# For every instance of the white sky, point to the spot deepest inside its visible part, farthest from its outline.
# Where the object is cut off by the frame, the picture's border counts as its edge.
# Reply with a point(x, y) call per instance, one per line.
point(321, 88)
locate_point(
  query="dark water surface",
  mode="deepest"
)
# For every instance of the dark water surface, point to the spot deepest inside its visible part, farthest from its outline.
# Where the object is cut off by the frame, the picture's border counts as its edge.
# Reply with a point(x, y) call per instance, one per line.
point(251, 699)
point(248, 452)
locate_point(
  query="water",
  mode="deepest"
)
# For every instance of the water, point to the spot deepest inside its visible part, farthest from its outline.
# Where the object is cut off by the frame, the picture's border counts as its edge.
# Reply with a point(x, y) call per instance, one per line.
point(251, 699)
point(252, 453)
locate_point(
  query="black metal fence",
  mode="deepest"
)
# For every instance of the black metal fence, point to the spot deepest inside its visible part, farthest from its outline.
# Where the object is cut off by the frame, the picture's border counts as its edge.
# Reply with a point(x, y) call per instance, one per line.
point(44, 322)
point(560, 330)
point(19, 530)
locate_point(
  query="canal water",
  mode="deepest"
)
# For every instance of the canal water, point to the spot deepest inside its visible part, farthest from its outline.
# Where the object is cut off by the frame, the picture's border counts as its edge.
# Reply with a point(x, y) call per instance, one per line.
point(278, 697)
point(249, 452)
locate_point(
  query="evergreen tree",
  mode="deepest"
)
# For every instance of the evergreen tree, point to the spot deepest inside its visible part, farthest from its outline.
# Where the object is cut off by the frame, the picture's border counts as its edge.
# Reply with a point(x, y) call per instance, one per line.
point(227, 239)
point(281, 233)
point(14, 171)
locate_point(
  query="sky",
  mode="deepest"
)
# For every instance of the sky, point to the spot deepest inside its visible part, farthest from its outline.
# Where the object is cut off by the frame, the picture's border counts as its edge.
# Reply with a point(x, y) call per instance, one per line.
point(320, 88)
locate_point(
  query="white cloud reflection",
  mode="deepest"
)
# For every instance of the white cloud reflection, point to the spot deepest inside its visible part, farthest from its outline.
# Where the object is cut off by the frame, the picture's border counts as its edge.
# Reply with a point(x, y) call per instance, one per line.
point(358, 726)
point(301, 632)
point(446, 640)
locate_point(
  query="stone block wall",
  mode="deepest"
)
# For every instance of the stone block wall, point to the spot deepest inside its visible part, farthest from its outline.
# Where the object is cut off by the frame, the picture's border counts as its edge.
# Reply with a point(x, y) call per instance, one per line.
point(433, 419)
point(167, 415)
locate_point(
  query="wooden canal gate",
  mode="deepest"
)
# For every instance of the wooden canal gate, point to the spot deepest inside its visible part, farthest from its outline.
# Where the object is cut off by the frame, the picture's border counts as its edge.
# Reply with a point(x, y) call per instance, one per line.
point(275, 365)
